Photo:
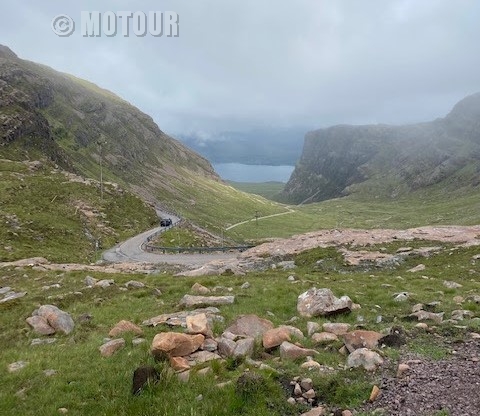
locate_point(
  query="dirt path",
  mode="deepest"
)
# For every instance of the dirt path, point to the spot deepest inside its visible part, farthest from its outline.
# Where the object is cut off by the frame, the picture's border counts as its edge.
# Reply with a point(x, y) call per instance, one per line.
point(290, 211)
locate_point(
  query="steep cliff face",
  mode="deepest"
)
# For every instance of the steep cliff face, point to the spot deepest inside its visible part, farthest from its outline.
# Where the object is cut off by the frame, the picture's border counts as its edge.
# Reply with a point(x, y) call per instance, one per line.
point(388, 161)
point(77, 124)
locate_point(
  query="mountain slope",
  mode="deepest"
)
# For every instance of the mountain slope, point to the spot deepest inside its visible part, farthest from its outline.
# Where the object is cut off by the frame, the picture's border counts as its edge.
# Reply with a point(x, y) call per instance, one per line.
point(389, 161)
point(86, 129)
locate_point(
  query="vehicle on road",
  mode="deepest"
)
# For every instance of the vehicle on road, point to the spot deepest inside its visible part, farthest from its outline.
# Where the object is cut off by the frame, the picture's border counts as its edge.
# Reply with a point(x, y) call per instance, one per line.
point(165, 222)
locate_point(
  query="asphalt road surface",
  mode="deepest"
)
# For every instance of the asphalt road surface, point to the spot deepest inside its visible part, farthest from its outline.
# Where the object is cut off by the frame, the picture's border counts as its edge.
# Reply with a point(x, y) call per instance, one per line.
point(131, 250)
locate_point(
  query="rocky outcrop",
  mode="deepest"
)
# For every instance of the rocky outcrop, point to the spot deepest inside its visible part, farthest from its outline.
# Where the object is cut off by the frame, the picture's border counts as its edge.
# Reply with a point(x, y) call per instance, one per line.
point(322, 302)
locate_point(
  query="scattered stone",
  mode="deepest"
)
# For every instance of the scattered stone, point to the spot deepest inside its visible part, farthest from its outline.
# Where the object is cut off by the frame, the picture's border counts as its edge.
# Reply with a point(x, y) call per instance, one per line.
point(312, 327)
point(451, 285)
point(427, 316)
point(201, 357)
point(52, 286)
point(175, 344)
point(184, 376)
point(189, 301)
point(311, 365)
point(4, 290)
point(418, 268)
point(417, 307)
point(458, 299)
point(105, 283)
point(49, 373)
point(209, 345)
point(63, 410)
point(180, 318)
point(316, 411)
point(324, 338)
point(365, 358)
point(244, 347)
point(125, 326)
point(199, 289)
point(134, 284)
point(336, 328)
point(322, 302)
point(179, 363)
point(12, 296)
point(402, 370)
point(226, 347)
point(198, 324)
point(291, 401)
point(289, 351)
point(461, 314)
point(421, 325)
point(401, 297)
point(374, 394)
point(250, 326)
point(40, 325)
point(42, 341)
point(306, 384)
point(90, 281)
point(246, 285)
point(138, 341)
point(111, 347)
point(347, 413)
point(59, 320)
point(310, 394)
point(142, 377)
point(291, 278)
point(294, 332)
point(274, 337)
point(17, 366)
point(361, 339)
point(287, 265)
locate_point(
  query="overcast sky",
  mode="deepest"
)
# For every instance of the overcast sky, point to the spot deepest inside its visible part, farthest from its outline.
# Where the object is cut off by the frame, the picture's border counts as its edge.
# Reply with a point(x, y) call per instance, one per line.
point(238, 65)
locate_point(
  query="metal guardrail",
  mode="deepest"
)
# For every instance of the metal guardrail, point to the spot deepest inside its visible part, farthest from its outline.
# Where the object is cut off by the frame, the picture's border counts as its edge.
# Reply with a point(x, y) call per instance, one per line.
point(151, 248)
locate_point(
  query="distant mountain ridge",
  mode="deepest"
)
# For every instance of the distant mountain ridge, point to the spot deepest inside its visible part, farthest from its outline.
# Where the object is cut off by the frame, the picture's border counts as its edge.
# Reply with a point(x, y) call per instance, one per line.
point(389, 161)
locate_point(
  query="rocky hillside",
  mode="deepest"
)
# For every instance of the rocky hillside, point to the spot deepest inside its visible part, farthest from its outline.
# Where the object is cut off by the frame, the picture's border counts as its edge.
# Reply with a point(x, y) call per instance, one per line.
point(390, 161)
point(75, 123)
point(82, 128)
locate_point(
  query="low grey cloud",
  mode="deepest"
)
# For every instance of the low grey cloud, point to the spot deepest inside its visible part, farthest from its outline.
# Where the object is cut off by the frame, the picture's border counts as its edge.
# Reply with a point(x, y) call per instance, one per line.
point(250, 64)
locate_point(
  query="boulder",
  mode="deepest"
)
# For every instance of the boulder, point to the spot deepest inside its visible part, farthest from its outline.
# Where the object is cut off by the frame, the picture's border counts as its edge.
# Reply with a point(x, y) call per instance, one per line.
point(294, 332)
point(179, 363)
point(175, 344)
point(274, 337)
point(199, 289)
point(105, 283)
point(336, 328)
point(90, 281)
point(226, 347)
point(361, 339)
point(250, 326)
point(427, 316)
point(59, 320)
point(40, 325)
point(244, 347)
point(111, 347)
point(322, 302)
point(324, 338)
point(209, 345)
point(365, 358)
point(125, 326)
point(198, 324)
point(289, 351)
point(312, 327)
point(134, 284)
point(189, 301)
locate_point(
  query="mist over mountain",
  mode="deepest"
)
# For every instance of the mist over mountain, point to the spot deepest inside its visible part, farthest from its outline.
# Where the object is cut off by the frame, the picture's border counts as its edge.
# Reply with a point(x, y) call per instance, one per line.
point(266, 146)
point(389, 161)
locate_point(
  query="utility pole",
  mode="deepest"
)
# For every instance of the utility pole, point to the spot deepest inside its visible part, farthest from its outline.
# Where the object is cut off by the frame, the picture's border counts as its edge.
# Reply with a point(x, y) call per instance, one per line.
point(100, 144)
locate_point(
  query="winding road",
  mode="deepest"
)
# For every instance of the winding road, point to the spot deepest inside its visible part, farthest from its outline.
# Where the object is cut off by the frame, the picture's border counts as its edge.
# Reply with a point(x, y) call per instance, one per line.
point(131, 250)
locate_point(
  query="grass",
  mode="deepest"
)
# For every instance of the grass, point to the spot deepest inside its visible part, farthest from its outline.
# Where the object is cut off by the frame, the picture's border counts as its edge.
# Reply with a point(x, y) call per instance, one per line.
point(266, 189)
point(45, 214)
point(86, 383)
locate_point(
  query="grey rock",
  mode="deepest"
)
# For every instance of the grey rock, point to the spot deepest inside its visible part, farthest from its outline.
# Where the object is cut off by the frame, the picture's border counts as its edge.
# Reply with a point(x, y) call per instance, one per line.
point(105, 283)
point(12, 296)
point(250, 326)
point(134, 284)
point(322, 302)
point(42, 341)
point(90, 281)
point(244, 347)
point(189, 301)
point(17, 366)
point(365, 358)
point(59, 320)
